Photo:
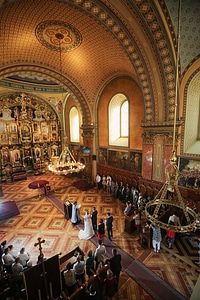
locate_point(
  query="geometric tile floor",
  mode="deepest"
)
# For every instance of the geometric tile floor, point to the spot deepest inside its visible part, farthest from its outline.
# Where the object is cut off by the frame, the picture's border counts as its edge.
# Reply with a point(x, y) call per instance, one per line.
point(39, 218)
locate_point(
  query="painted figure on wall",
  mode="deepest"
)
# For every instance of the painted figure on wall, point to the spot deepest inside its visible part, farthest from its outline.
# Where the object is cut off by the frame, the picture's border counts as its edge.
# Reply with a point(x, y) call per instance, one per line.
point(6, 157)
point(2, 127)
point(59, 107)
point(16, 156)
point(25, 132)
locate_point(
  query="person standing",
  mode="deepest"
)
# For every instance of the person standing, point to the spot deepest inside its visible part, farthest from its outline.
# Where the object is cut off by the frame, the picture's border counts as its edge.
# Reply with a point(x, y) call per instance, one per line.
point(17, 274)
point(2, 248)
point(104, 182)
point(109, 226)
point(128, 208)
point(108, 184)
point(88, 231)
point(90, 264)
point(98, 181)
point(24, 258)
point(175, 218)
point(137, 220)
point(94, 218)
point(115, 264)
point(110, 282)
point(70, 279)
point(157, 237)
point(75, 213)
point(99, 253)
point(170, 235)
point(12, 251)
point(7, 257)
point(79, 269)
point(101, 229)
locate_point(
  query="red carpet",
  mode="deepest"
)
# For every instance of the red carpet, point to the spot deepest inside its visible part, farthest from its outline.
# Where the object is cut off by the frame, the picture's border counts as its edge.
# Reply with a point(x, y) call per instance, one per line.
point(8, 210)
point(152, 283)
point(83, 185)
point(58, 203)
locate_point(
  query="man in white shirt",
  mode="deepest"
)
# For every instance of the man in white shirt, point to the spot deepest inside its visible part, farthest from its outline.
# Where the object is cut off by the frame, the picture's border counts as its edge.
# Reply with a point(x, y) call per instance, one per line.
point(99, 253)
point(17, 270)
point(79, 269)
point(7, 258)
point(12, 251)
point(23, 257)
point(174, 218)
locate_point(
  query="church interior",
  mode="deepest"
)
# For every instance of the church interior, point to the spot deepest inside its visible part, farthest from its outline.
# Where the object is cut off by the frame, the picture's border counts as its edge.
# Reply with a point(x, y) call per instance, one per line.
point(108, 88)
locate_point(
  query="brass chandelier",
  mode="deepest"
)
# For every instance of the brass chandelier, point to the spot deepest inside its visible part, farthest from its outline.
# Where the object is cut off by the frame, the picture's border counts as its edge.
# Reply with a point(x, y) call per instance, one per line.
point(158, 210)
point(65, 163)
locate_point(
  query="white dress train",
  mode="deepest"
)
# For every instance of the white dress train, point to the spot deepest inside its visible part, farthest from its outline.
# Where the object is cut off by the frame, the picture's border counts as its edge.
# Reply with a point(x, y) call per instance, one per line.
point(88, 231)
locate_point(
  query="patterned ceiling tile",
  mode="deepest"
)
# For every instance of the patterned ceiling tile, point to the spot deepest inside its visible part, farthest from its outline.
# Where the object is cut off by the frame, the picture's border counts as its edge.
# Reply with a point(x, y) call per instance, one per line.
point(111, 44)
point(58, 36)
point(189, 28)
point(98, 50)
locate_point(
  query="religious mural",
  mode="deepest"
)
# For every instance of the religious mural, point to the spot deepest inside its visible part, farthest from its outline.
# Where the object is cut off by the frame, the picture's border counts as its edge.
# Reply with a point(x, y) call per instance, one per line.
point(189, 172)
point(125, 160)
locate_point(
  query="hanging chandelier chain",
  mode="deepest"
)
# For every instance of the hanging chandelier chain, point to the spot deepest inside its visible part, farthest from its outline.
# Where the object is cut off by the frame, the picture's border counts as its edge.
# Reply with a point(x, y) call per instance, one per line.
point(65, 163)
point(177, 75)
point(157, 210)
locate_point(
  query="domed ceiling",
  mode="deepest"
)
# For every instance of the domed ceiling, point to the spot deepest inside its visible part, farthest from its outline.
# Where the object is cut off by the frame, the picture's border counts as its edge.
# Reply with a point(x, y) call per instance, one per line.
point(81, 45)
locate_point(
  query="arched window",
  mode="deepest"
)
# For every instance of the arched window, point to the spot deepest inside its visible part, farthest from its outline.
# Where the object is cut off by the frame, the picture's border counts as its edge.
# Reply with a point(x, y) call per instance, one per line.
point(192, 120)
point(198, 134)
point(124, 119)
point(74, 125)
point(119, 121)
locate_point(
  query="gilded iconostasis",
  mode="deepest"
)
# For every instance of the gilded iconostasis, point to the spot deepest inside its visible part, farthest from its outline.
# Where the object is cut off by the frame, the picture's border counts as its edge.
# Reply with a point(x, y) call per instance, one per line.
point(29, 134)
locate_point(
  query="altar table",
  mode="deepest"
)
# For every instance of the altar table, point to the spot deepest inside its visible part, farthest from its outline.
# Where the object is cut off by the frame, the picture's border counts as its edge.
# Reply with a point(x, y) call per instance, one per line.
point(38, 184)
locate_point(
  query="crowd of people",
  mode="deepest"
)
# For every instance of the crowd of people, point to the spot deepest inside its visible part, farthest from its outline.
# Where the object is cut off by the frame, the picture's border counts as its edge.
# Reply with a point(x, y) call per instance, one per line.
point(12, 266)
point(119, 190)
point(81, 271)
point(14, 262)
point(189, 180)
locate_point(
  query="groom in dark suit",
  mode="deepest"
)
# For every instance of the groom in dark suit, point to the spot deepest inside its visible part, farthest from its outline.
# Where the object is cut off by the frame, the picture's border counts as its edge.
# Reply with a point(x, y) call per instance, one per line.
point(109, 222)
point(94, 219)
point(115, 264)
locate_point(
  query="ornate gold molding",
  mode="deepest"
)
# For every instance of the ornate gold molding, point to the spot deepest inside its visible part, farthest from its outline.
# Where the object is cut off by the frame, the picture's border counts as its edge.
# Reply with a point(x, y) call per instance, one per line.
point(88, 132)
point(152, 130)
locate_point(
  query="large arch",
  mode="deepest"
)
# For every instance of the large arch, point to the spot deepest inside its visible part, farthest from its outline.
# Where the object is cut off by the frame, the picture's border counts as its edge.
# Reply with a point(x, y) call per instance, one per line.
point(61, 80)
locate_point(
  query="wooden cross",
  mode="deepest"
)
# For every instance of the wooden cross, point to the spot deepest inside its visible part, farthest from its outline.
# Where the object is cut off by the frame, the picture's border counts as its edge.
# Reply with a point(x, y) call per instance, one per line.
point(39, 243)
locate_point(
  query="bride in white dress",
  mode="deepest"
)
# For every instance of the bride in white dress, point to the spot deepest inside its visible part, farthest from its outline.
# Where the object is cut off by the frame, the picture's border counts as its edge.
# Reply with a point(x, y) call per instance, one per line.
point(88, 231)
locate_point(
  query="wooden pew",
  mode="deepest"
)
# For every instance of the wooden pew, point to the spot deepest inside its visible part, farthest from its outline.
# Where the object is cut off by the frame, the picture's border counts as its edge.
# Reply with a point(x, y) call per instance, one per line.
point(96, 280)
point(70, 257)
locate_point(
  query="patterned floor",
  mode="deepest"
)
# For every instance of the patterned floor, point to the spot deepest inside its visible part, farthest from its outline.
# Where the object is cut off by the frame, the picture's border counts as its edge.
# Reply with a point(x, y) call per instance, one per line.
point(39, 218)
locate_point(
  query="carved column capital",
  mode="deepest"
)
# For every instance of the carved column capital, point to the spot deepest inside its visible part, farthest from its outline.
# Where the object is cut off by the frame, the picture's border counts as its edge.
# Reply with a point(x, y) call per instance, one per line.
point(166, 130)
point(87, 132)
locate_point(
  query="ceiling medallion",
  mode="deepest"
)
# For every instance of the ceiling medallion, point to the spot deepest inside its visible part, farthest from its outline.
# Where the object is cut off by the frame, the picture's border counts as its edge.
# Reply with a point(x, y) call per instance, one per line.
point(47, 33)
